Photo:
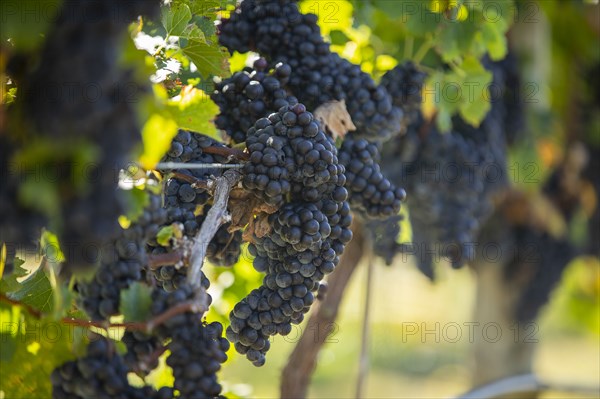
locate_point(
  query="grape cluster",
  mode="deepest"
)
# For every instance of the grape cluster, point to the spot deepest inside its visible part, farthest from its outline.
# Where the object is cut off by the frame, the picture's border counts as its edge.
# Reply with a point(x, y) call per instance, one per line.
point(249, 95)
point(405, 84)
point(309, 230)
point(83, 46)
point(141, 351)
point(226, 247)
point(451, 177)
point(99, 374)
point(290, 155)
point(384, 234)
point(197, 350)
point(121, 263)
point(369, 191)
point(281, 33)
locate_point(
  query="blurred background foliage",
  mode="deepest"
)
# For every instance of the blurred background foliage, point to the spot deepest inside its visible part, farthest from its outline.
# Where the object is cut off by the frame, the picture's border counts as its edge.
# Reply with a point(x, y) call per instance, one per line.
point(557, 45)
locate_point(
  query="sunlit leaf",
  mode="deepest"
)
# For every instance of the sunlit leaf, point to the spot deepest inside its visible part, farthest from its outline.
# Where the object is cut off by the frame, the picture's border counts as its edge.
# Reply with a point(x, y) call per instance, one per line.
point(157, 134)
point(210, 60)
point(35, 291)
point(193, 110)
point(175, 18)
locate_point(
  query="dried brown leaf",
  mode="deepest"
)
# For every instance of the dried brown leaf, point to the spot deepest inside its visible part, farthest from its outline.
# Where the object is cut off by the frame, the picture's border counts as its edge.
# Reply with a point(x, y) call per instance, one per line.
point(335, 118)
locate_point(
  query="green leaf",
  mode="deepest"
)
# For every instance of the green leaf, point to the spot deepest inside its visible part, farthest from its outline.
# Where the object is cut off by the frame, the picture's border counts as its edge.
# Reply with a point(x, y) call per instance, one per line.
point(205, 7)
point(476, 102)
point(193, 110)
point(9, 283)
point(50, 247)
point(35, 291)
point(419, 20)
point(209, 60)
point(193, 32)
point(9, 330)
point(456, 38)
point(164, 235)
point(495, 41)
point(206, 25)
point(136, 200)
point(33, 352)
point(175, 18)
point(444, 120)
point(338, 38)
point(136, 302)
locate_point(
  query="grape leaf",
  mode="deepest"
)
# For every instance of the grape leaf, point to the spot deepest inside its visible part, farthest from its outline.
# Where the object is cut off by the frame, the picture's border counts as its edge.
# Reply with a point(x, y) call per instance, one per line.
point(193, 32)
point(136, 302)
point(476, 95)
point(193, 110)
point(495, 41)
point(175, 18)
point(165, 235)
point(37, 348)
point(209, 60)
point(157, 134)
point(35, 291)
point(136, 202)
point(9, 283)
point(206, 25)
point(204, 7)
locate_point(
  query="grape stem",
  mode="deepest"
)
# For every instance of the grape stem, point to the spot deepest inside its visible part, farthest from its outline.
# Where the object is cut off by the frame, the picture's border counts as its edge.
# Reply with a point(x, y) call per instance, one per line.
point(158, 260)
point(227, 152)
point(216, 216)
point(146, 326)
point(197, 183)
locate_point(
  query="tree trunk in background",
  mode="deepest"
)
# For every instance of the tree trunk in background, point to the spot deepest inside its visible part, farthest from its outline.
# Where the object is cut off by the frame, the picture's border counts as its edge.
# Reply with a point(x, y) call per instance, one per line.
point(296, 375)
point(501, 347)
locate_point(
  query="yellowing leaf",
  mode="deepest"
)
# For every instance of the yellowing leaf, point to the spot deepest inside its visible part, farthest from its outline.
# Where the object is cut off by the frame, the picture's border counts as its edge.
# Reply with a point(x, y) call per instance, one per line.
point(193, 110)
point(385, 62)
point(333, 14)
point(156, 136)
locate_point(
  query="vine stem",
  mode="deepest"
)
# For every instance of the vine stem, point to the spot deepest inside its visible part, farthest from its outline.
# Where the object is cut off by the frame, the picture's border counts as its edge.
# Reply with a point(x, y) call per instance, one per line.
point(363, 363)
point(170, 258)
point(227, 152)
point(197, 183)
point(216, 216)
point(409, 44)
point(183, 165)
point(422, 51)
point(146, 326)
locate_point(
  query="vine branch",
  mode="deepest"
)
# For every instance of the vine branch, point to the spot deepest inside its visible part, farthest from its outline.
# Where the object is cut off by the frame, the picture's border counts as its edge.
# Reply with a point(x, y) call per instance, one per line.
point(146, 326)
point(170, 258)
point(216, 216)
point(227, 152)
